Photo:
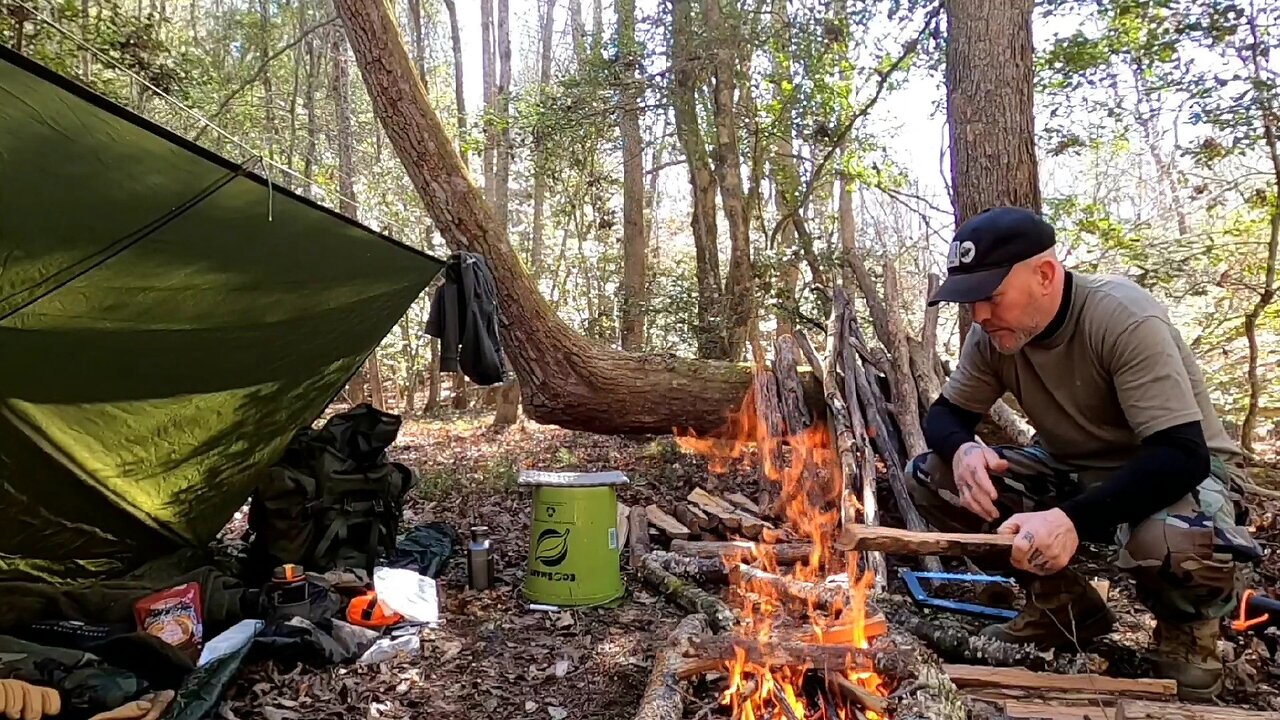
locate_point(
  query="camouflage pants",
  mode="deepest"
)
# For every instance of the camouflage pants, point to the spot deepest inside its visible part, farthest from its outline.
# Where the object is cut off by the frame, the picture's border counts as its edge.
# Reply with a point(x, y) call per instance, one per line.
point(1183, 559)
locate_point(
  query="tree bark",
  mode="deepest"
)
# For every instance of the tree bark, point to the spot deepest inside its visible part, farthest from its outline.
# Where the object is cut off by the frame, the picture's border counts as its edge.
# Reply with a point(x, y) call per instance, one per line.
point(662, 698)
point(635, 254)
point(502, 101)
point(739, 291)
point(459, 98)
point(686, 594)
point(990, 99)
point(702, 184)
point(743, 551)
point(565, 379)
point(539, 144)
point(488, 56)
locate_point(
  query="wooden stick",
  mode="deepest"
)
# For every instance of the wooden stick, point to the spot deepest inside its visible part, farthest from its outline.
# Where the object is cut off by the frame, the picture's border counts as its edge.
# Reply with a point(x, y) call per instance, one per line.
point(1023, 710)
point(956, 643)
point(795, 410)
point(905, 394)
point(739, 550)
point(846, 687)
point(896, 541)
point(1146, 710)
point(969, 676)
point(703, 571)
point(662, 698)
point(686, 594)
point(845, 441)
point(770, 426)
point(874, 561)
point(810, 356)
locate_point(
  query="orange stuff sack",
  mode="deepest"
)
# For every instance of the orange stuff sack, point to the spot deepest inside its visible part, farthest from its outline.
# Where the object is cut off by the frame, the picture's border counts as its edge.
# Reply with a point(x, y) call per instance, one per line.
point(175, 616)
point(368, 611)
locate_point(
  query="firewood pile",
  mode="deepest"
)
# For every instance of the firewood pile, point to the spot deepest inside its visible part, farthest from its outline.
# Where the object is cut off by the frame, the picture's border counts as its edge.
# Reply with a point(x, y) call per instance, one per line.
point(787, 590)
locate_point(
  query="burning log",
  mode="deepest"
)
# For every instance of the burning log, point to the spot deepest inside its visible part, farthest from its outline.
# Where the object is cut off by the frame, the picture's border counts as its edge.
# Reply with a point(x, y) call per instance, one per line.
point(662, 699)
point(841, 684)
point(897, 541)
point(770, 426)
point(827, 597)
point(704, 571)
point(686, 594)
point(735, 550)
point(792, 654)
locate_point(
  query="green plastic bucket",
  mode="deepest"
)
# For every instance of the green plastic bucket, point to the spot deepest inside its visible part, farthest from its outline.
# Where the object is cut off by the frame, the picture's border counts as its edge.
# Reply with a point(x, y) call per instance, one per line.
point(573, 541)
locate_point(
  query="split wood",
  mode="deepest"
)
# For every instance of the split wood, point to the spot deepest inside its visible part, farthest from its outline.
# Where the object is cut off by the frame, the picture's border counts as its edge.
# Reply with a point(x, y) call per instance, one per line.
point(686, 594)
point(896, 541)
point(662, 698)
point(782, 554)
point(669, 526)
point(1146, 710)
point(970, 676)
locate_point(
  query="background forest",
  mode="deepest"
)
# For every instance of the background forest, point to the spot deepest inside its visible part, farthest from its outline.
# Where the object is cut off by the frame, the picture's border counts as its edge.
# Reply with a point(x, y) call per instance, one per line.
point(690, 176)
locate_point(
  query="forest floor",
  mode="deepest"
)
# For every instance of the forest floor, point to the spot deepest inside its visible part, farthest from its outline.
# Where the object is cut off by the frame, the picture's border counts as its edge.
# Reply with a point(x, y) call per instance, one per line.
point(493, 657)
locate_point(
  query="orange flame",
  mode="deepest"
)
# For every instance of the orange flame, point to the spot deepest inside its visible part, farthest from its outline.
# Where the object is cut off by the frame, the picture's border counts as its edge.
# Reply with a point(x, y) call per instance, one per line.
point(805, 470)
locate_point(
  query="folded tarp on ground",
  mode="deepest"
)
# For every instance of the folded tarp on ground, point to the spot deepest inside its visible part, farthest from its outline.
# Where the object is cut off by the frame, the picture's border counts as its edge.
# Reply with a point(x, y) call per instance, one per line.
point(167, 320)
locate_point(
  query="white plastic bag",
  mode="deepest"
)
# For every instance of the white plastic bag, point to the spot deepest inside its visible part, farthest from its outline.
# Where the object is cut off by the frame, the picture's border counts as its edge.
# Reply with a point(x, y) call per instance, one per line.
point(231, 640)
point(408, 593)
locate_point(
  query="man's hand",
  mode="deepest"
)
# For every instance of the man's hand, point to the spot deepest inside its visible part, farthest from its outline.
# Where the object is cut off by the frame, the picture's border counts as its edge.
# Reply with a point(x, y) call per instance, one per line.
point(972, 467)
point(1044, 542)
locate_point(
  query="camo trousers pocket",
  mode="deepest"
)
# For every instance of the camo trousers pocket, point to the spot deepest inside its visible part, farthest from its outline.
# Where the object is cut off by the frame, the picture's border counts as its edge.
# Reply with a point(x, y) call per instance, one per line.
point(1181, 569)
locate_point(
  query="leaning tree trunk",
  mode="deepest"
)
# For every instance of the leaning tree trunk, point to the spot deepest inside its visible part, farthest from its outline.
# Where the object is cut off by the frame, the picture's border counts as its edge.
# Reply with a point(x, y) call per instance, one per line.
point(565, 379)
point(989, 110)
point(507, 409)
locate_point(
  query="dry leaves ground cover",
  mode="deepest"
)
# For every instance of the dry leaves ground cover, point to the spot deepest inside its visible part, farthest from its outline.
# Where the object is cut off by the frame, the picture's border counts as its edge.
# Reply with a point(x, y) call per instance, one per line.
point(493, 657)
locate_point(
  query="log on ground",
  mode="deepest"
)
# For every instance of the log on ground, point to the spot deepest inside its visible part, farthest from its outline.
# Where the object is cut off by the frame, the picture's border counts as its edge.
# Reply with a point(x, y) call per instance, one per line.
point(959, 645)
point(896, 541)
point(662, 698)
point(686, 594)
point(703, 571)
point(968, 676)
point(742, 551)
point(793, 654)
point(827, 597)
point(1146, 710)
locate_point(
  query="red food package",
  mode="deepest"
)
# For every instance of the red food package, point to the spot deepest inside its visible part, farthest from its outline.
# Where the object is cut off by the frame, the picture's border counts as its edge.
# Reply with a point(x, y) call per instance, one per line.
point(175, 616)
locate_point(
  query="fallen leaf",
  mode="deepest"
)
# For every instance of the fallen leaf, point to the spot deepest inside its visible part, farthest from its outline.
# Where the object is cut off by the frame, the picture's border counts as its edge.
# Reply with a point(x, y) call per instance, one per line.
point(271, 713)
point(564, 620)
point(530, 706)
point(557, 712)
point(562, 668)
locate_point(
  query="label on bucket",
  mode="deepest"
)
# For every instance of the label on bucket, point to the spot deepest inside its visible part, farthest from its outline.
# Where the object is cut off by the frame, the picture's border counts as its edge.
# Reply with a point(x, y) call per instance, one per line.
point(555, 512)
point(613, 538)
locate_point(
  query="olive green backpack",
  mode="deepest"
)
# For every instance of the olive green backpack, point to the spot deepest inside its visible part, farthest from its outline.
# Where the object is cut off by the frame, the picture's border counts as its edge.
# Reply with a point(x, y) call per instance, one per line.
point(333, 500)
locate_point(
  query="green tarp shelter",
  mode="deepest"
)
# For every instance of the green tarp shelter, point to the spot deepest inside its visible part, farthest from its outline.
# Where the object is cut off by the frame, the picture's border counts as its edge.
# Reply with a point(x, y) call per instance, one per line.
point(167, 320)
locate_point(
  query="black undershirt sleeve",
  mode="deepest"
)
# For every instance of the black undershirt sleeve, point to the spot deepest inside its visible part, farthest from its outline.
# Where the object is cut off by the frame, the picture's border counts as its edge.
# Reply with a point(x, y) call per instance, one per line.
point(1169, 465)
point(947, 426)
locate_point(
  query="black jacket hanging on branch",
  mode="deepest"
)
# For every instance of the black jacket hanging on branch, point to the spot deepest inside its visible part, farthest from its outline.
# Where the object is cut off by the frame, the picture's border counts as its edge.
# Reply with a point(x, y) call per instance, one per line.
point(464, 315)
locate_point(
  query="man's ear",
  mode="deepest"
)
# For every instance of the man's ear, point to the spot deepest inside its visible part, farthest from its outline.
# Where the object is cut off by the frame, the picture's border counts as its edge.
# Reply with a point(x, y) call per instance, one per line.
point(1046, 271)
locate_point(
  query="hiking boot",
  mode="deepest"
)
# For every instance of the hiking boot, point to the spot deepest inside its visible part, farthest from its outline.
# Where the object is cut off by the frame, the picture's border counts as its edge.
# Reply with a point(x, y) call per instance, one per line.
point(1188, 653)
point(1062, 611)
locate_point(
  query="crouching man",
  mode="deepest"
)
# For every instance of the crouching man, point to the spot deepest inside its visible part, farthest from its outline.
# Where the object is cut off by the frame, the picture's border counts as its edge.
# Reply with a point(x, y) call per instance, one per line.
point(1128, 449)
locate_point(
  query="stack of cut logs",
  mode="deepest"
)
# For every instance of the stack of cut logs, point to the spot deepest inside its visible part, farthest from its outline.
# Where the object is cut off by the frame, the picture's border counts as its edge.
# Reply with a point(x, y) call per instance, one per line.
point(692, 549)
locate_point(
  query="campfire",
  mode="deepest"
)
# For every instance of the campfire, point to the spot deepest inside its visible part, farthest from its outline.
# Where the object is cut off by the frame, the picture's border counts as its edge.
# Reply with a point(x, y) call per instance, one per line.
point(803, 469)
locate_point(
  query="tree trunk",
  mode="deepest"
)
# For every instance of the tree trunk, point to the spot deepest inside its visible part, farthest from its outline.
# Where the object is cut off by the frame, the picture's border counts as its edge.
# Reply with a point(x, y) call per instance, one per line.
point(487, 60)
point(313, 120)
point(989, 81)
point(786, 176)
point(358, 387)
point(268, 95)
point(702, 185)
point(539, 144)
point(507, 405)
point(460, 99)
point(566, 379)
point(419, 44)
point(577, 30)
point(634, 255)
point(739, 290)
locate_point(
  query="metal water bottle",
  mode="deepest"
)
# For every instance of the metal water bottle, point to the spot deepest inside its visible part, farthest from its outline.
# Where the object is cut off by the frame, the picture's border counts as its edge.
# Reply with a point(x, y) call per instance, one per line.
point(479, 559)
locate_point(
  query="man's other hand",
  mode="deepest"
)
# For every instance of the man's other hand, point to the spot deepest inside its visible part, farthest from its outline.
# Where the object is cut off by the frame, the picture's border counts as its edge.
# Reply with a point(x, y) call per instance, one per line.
point(972, 467)
point(1044, 542)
